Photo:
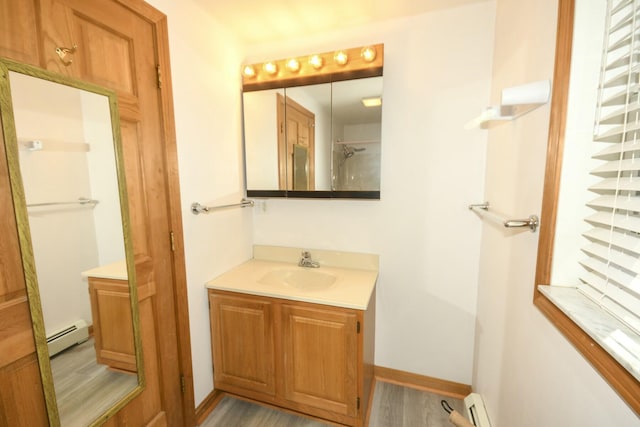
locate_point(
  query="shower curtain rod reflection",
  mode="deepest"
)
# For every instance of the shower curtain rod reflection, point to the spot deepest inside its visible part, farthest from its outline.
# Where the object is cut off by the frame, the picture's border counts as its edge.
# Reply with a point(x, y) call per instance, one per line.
point(197, 208)
point(482, 209)
point(80, 201)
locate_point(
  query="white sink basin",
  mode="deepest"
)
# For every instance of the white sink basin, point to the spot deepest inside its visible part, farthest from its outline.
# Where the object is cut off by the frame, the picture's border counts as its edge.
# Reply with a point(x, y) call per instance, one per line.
point(299, 278)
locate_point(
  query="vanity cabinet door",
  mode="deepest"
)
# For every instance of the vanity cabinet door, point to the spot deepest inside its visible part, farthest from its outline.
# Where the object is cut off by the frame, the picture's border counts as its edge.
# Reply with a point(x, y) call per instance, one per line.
point(242, 339)
point(320, 357)
point(112, 325)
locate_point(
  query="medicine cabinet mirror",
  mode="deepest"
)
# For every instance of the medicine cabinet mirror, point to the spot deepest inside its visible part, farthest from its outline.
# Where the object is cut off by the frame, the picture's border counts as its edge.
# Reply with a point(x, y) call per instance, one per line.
point(63, 148)
point(315, 136)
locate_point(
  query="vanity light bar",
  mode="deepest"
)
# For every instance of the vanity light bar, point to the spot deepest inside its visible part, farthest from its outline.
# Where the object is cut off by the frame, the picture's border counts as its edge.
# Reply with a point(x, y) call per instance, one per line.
point(365, 60)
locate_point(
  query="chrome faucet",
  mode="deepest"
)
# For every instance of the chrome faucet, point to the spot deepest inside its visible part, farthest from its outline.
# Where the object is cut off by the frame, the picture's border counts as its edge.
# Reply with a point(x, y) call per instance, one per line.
point(306, 261)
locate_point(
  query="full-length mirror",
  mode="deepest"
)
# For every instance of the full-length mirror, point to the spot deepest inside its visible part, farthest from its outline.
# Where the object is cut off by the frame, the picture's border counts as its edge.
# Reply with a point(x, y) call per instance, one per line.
point(64, 155)
point(309, 135)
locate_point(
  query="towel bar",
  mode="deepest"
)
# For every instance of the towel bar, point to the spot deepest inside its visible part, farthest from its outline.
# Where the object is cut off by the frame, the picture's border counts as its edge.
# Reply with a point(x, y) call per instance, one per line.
point(483, 210)
point(197, 208)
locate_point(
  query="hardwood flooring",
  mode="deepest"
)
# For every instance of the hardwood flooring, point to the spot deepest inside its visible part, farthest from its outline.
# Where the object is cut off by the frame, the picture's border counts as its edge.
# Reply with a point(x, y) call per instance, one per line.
point(397, 406)
point(393, 406)
point(85, 389)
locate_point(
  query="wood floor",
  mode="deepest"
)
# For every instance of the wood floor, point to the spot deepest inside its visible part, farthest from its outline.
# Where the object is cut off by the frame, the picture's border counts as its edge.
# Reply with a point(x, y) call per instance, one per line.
point(85, 389)
point(393, 406)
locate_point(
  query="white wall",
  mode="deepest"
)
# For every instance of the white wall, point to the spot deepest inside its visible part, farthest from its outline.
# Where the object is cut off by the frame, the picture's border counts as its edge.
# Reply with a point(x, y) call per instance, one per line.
point(527, 372)
point(103, 177)
point(205, 66)
point(436, 78)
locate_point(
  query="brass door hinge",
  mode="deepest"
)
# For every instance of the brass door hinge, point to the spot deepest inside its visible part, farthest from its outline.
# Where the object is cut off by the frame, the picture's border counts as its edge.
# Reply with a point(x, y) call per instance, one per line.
point(173, 241)
point(159, 76)
point(358, 327)
point(358, 403)
point(183, 387)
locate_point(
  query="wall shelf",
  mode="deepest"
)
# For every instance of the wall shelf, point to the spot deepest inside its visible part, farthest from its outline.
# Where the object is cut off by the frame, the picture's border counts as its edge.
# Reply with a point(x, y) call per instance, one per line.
point(516, 101)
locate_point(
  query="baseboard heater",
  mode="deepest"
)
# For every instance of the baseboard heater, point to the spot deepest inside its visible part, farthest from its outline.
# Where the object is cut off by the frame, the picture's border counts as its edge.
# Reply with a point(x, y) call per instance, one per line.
point(76, 333)
point(476, 411)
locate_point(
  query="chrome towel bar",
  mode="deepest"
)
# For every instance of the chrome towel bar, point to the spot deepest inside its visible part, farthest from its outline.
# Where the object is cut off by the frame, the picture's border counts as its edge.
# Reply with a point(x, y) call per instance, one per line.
point(197, 208)
point(80, 201)
point(483, 210)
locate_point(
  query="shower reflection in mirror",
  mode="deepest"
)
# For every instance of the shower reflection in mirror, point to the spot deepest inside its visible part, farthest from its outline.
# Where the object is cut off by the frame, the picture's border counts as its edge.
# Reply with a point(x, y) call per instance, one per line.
point(356, 124)
point(67, 164)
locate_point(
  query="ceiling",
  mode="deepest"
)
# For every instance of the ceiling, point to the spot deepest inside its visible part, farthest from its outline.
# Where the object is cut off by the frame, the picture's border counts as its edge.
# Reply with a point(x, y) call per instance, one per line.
point(263, 21)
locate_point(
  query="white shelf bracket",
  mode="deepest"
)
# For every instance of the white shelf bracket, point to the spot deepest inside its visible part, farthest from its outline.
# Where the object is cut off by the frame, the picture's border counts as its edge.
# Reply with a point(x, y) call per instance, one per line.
point(516, 101)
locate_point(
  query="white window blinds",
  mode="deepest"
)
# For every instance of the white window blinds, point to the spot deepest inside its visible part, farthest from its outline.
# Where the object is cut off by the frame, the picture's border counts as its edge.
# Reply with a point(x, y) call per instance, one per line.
point(611, 274)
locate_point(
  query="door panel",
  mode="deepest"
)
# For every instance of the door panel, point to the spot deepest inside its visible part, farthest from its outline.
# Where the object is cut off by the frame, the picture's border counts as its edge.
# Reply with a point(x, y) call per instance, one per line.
point(15, 43)
point(21, 394)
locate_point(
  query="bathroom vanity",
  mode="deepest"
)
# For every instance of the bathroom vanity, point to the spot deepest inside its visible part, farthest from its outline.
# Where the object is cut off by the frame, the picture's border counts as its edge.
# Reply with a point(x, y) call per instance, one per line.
point(111, 313)
point(298, 338)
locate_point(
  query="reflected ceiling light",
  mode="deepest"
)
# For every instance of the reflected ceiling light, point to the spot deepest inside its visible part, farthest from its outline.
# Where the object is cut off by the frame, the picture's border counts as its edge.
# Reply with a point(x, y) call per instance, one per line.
point(375, 101)
point(316, 61)
point(368, 53)
point(270, 68)
point(248, 71)
point(293, 65)
point(341, 57)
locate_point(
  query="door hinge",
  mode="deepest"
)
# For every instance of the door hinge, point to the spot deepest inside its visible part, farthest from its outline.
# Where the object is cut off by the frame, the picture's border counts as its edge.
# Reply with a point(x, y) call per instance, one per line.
point(183, 387)
point(159, 76)
point(358, 327)
point(358, 403)
point(173, 241)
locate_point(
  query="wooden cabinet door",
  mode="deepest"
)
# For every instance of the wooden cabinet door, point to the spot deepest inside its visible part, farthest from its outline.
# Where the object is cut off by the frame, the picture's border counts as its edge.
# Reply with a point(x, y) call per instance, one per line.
point(121, 45)
point(242, 340)
point(320, 358)
point(112, 325)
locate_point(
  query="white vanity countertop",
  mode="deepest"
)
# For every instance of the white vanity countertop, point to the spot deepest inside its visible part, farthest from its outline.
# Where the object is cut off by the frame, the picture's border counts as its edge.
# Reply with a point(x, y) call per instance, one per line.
point(116, 271)
point(352, 287)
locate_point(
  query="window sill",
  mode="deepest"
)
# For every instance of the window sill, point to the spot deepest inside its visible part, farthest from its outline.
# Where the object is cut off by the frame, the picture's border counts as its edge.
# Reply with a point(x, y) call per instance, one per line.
point(618, 376)
point(622, 343)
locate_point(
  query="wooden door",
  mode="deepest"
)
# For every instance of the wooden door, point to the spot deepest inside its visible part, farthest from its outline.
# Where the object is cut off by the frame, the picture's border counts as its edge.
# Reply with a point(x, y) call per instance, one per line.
point(296, 130)
point(320, 358)
point(242, 341)
point(121, 45)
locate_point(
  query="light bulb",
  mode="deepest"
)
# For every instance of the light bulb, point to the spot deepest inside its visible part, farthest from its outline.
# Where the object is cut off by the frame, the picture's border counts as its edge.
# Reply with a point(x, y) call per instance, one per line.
point(248, 71)
point(368, 53)
point(316, 61)
point(293, 65)
point(270, 68)
point(341, 57)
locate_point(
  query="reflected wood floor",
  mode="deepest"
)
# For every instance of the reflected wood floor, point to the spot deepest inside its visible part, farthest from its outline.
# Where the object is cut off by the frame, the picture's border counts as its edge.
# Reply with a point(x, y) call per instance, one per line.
point(393, 406)
point(84, 388)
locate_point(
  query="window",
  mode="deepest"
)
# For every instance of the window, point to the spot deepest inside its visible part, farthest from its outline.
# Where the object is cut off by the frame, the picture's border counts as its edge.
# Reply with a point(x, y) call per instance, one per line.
point(589, 247)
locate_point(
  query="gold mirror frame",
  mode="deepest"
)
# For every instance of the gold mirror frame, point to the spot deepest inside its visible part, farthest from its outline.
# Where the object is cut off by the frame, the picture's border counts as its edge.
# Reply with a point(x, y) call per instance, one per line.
point(28, 261)
point(615, 374)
